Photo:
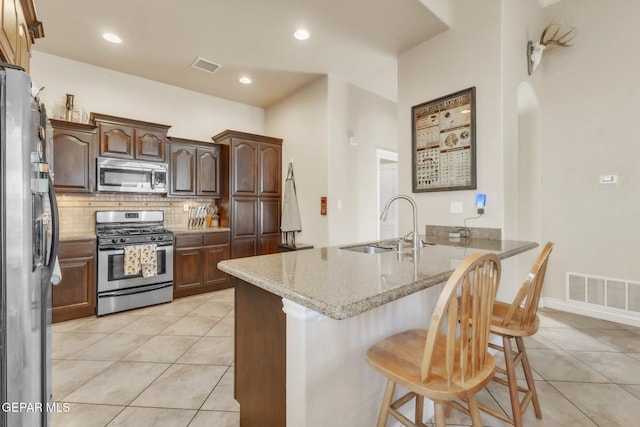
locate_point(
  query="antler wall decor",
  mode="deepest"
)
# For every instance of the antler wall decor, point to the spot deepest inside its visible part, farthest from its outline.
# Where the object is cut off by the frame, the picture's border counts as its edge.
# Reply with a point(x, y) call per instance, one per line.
point(562, 35)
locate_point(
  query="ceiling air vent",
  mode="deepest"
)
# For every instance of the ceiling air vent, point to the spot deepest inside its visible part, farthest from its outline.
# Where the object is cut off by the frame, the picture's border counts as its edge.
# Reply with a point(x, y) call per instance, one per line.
point(205, 65)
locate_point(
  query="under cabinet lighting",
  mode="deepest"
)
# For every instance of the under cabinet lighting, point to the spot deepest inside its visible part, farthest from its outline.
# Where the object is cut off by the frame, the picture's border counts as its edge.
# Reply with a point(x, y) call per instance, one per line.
point(244, 80)
point(111, 38)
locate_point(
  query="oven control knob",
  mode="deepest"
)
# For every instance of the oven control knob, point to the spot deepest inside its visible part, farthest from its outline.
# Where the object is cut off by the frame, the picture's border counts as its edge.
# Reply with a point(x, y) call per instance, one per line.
point(153, 237)
point(160, 237)
point(114, 240)
point(122, 240)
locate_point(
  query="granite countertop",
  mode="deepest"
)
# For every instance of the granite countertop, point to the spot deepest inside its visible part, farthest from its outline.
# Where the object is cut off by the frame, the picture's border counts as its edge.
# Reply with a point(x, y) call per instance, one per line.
point(185, 230)
point(340, 283)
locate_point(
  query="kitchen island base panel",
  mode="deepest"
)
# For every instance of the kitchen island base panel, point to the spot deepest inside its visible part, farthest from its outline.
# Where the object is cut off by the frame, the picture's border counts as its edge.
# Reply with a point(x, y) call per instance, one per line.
point(321, 361)
point(329, 382)
point(260, 356)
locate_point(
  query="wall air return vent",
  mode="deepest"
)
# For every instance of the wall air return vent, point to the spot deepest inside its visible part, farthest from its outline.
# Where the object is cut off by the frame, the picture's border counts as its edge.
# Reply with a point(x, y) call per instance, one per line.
point(205, 65)
point(606, 293)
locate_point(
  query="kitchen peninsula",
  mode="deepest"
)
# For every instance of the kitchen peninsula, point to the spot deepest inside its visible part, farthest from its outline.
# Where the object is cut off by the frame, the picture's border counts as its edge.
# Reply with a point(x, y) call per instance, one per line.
point(305, 319)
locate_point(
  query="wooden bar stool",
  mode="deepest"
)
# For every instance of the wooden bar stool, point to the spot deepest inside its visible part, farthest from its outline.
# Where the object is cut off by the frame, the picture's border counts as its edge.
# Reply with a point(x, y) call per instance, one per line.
point(515, 321)
point(446, 362)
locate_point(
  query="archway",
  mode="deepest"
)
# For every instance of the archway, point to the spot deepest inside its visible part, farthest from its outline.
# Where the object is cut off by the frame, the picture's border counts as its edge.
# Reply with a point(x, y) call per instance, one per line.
point(529, 175)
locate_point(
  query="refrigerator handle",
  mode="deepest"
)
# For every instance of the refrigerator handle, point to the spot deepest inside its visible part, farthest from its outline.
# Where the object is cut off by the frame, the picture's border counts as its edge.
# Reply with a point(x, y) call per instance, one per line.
point(55, 230)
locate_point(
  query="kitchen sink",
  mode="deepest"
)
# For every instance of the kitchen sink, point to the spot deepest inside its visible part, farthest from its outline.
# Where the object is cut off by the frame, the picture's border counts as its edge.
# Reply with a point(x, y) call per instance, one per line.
point(371, 248)
point(380, 247)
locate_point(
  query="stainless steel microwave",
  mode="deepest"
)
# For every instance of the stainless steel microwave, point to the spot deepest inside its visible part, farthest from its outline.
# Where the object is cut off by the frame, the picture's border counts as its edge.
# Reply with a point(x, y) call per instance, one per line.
point(131, 176)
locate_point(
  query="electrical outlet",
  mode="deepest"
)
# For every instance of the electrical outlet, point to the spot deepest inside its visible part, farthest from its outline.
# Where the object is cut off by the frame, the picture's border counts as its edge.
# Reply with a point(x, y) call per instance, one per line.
point(185, 207)
point(456, 207)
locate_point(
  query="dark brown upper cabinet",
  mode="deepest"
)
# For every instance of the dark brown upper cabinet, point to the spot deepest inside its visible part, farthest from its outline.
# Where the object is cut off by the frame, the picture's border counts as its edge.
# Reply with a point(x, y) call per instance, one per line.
point(208, 172)
point(74, 152)
point(182, 170)
point(130, 139)
point(244, 167)
point(19, 27)
point(256, 168)
point(194, 168)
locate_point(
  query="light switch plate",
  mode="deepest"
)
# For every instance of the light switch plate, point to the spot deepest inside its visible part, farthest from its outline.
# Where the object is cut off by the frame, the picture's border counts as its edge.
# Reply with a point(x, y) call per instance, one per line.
point(608, 179)
point(456, 207)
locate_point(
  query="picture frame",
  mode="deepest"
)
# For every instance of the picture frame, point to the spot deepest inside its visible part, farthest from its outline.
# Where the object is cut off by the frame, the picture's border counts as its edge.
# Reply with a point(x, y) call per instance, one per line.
point(443, 137)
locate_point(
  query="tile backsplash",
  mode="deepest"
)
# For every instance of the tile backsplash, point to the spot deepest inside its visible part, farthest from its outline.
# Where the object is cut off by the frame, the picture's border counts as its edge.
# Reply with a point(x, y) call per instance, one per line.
point(476, 233)
point(78, 212)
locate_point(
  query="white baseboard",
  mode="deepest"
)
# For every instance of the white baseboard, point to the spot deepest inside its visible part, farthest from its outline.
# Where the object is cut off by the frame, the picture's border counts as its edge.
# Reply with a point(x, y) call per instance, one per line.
point(591, 310)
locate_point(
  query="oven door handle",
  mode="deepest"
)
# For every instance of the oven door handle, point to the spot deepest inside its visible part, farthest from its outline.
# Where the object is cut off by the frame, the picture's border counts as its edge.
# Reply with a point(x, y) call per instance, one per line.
point(133, 291)
point(120, 251)
point(112, 251)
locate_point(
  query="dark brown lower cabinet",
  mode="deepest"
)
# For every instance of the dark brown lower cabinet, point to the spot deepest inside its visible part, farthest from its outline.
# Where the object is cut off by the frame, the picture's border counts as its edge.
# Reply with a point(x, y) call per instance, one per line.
point(196, 256)
point(260, 356)
point(75, 296)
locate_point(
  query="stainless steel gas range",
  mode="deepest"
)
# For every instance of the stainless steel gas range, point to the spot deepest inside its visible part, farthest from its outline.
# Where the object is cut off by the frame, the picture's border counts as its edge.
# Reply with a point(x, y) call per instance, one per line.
point(122, 237)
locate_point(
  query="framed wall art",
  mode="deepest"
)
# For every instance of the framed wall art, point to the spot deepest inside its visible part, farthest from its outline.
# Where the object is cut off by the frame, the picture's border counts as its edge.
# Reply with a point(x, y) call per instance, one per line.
point(444, 143)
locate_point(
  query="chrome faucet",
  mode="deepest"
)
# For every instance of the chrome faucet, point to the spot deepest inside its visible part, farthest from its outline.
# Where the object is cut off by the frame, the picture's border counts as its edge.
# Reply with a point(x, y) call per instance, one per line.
point(417, 243)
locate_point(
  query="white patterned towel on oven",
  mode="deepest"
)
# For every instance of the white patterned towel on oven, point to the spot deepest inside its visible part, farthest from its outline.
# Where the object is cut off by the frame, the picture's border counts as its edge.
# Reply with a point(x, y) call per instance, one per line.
point(149, 260)
point(132, 260)
point(140, 258)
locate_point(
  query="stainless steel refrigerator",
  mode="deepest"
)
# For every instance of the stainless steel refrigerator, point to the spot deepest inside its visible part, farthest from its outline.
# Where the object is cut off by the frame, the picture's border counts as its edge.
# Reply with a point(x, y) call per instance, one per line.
point(29, 241)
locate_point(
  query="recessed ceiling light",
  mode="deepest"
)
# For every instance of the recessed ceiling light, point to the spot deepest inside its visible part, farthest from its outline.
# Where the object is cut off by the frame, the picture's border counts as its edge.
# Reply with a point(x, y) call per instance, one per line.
point(244, 80)
point(301, 34)
point(111, 38)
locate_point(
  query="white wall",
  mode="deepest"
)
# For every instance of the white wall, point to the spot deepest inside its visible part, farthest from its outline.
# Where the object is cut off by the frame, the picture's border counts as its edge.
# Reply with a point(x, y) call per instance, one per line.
point(316, 123)
point(589, 96)
point(301, 120)
point(469, 54)
point(192, 115)
point(484, 48)
point(521, 22)
point(590, 126)
point(313, 122)
point(354, 112)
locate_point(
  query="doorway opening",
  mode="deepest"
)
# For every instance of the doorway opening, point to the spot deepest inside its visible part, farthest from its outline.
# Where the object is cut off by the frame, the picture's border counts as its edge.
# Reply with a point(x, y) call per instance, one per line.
point(387, 167)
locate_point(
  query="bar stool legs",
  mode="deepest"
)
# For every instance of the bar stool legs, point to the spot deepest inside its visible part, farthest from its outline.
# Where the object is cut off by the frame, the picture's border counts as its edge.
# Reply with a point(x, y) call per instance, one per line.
point(512, 359)
point(529, 377)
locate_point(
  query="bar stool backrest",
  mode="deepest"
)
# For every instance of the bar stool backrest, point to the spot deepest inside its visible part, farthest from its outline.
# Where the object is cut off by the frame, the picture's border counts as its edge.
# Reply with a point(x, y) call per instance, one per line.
point(526, 302)
point(467, 299)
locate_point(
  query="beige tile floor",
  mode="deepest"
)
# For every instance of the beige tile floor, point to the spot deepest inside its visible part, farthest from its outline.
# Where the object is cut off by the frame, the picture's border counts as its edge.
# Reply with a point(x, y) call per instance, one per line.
point(171, 365)
point(166, 365)
point(587, 373)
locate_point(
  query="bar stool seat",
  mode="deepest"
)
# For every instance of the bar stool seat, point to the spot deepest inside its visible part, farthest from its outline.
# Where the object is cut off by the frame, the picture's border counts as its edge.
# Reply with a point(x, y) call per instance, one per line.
point(500, 310)
point(448, 362)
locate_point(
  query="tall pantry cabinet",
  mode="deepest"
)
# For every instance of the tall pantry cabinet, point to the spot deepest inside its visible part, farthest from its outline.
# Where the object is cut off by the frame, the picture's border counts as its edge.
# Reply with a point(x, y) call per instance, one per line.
point(254, 174)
